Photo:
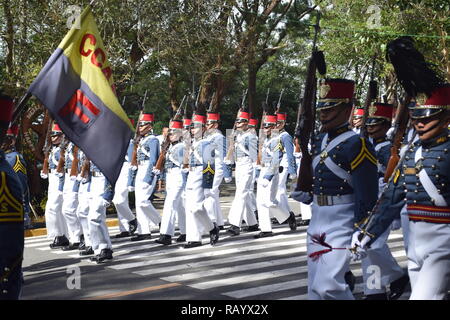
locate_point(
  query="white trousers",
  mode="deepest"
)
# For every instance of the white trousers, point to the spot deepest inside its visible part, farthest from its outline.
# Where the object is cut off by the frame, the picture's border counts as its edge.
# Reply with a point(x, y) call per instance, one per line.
point(173, 204)
point(146, 214)
point(54, 219)
point(212, 202)
point(282, 191)
point(267, 203)
point(241, 207)
point(379, 258)
point(69, 209)
point(97, 216)
point(326, 275)
point(404, 220)
point(83, 211)
point(197, 219)
point(429, 260)
point(120, 200)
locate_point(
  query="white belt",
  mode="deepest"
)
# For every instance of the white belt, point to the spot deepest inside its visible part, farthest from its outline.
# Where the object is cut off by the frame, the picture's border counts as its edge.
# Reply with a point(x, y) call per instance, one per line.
point(324, 200)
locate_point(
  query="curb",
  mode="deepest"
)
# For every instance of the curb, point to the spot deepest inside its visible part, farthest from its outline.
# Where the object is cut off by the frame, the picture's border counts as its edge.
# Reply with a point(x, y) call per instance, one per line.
point(113, 222)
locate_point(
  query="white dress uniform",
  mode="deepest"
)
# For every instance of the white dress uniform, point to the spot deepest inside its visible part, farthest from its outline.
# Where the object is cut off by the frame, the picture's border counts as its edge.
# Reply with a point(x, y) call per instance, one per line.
point(147, 156)
point(212, 202)
point(54, 219)
point(289, 168)
point(70, 198)
point(175, 182)
point(83, 200)
point(101, 195)
point(245, 154)
point(198, 220)
point(120, 200)
point(267, 203)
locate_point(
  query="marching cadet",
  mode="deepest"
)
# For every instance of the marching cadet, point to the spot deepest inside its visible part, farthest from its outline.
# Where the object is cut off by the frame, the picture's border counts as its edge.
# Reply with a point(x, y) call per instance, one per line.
point(245, 155)
point(201, 177)
point(288, 166)
point(101, 195)
point(268, 182)
point(54, 219)
point(11, 217)
point(173, 204)
point(147, 156)
point(357, 119)
point(378, 123)
point(84, 178)
point(70, 202)
point(345, 188)
point(127, 220)
point(16, 161)
point(424, 177)
point(212, 202)
point(252, 124)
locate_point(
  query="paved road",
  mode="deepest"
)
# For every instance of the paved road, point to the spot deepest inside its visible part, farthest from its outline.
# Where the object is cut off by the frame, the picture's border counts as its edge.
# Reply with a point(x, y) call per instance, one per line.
point(236, 268)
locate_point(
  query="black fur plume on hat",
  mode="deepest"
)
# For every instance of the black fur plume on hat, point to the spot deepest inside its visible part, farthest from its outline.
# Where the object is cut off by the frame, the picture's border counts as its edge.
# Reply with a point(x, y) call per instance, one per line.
point(413, 72)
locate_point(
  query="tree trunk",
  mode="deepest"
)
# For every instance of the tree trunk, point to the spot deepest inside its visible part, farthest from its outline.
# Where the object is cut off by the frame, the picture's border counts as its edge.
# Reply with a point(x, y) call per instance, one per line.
point(173, 90)
point(251, 96)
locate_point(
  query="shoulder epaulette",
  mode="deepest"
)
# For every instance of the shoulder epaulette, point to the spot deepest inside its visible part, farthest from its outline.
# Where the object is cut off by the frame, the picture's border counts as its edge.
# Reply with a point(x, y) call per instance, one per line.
point(363, 154)
point(279, 146)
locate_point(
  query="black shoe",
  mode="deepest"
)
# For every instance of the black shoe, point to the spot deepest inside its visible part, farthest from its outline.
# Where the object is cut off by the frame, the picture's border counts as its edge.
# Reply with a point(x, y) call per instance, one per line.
point(398, 286)
point(214, 235)
point(274, 220)
point(123, 234)
point(82, 243)
point(263, 235)
point(181, 238)
point(87, 252)
point(303, 223)
point(105, 254)
point(252, 228)
point(60, 241)
point(233, 230)
point(192, 244)
point(140, 237)
point(292, 222)
point(377, 296)
point(132, 225)
point(164, 239)
point(71, 246)
point(350, 280)
point(256, 215)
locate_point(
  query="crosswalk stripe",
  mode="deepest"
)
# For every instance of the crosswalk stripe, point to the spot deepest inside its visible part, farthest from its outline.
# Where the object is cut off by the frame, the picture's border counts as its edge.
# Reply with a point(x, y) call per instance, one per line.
point(270, 288)
point(214, 253)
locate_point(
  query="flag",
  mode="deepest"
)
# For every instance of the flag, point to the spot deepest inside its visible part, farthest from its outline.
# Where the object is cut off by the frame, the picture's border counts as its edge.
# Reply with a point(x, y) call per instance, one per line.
point(76, 86)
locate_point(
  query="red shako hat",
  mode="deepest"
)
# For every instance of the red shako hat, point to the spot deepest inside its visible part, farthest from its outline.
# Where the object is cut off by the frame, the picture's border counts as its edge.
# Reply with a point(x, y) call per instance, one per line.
point(333, 92)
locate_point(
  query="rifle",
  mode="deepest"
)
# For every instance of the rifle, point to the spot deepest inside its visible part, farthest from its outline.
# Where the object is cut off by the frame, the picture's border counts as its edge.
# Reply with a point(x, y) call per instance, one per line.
point(85, 168)
point(47, 146)
point(400, 126)
point(372, 94)
point(62, 156)
point(137, 136)
point(279, 101)
point(165, 145)
point(75, 162)
point(187, 137)
point(305, 122)
point(230, 150)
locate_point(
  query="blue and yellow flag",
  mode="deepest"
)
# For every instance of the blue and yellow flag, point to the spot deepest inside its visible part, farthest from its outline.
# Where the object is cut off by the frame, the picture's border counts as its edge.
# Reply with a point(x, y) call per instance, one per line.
point(76, 86)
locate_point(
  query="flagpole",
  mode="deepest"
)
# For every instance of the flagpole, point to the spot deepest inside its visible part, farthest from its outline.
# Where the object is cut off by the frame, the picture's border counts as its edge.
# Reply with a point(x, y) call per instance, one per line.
point(20, 107)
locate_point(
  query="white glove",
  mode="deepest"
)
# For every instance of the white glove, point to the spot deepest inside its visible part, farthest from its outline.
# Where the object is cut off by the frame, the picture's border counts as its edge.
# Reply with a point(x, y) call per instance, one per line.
point(258, 167)
point(292, 177)
point(44, 176)
point(134, 168)
point(396, 224)
point(60, 174)
point(130, 188)
point(297, 154)
point(106, 203)
point(185, 170)
point(228, 180)
point(227, 162)
point(73, 178)
point(358, 254)
point(301, 196)
point(355, 239)
point(79, 177)
point(265, 183)
point(156, 171)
